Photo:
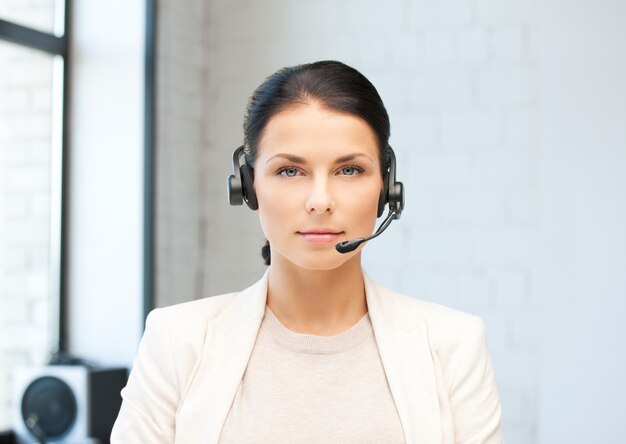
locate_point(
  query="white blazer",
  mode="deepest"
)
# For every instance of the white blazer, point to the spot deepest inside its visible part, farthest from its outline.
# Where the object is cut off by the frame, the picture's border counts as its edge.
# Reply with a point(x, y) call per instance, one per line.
point(192, 358)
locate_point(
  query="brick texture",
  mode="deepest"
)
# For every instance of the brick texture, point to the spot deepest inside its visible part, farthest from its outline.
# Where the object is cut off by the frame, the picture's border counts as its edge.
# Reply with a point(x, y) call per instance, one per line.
point(25, 140)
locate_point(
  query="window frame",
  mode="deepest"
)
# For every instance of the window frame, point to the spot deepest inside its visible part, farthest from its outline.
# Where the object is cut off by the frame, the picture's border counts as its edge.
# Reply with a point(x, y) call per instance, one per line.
point(57, 46)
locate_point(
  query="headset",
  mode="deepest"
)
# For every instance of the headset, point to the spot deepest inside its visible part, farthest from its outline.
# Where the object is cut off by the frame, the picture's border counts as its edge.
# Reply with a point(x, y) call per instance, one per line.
point(240, 189)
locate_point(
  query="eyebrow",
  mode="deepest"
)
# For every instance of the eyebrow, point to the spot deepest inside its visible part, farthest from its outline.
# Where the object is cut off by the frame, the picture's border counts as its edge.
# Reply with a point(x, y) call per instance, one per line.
point(298, 159)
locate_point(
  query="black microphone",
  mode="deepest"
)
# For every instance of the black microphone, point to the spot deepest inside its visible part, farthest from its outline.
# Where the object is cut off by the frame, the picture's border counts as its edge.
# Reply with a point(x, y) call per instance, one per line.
point(352, 244)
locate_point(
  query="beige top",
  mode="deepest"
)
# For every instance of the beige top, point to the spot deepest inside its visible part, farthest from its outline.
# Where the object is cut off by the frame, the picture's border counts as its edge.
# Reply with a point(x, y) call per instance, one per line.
point(302, 388)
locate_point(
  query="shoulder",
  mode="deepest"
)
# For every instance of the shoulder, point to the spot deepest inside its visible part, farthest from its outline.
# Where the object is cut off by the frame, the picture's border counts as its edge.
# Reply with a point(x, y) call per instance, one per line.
point(445, 322)
point(453, 332)
point(167, 359)
point(199, 309)
point(189, 319)
point(447, 327)
point(462, 363)
point(175, 336)
point(456, 339)
point(184, 328)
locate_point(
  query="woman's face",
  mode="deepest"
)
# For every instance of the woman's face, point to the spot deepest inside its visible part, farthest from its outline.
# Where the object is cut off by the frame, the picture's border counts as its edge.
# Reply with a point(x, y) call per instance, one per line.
point(317, 180)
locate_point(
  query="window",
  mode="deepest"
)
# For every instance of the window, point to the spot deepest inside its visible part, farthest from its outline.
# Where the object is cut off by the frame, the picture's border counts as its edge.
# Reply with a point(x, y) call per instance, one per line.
point(33, 54)
point(40, 15)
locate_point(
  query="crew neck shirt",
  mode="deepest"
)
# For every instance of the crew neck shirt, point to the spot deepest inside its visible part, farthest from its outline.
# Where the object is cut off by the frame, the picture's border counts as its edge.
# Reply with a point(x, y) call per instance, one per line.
point(310, 389)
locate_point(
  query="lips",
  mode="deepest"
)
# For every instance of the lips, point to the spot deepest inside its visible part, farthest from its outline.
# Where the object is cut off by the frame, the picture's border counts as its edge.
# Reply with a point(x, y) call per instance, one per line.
point(321, 231)
point(321, 235)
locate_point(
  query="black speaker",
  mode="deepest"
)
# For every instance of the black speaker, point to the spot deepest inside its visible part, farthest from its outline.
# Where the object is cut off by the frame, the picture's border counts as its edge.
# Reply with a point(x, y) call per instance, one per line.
point(66, 403)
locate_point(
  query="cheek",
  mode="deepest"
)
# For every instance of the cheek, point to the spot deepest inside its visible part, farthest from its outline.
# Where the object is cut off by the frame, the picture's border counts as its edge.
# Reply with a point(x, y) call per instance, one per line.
point(365, 197)
point(275, 206)
point(272, 195)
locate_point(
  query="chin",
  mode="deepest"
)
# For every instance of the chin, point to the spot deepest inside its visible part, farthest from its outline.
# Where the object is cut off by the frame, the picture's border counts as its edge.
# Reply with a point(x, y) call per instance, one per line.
point(330, 260)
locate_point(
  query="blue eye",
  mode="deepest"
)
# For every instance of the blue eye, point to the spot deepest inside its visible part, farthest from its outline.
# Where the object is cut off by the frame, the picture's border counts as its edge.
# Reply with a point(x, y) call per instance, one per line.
point(351, 170)
point(288, 172)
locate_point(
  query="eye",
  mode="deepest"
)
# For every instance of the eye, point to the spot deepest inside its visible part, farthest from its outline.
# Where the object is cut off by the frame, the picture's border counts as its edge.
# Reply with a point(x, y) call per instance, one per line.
point(287, 171)
point(351, 170)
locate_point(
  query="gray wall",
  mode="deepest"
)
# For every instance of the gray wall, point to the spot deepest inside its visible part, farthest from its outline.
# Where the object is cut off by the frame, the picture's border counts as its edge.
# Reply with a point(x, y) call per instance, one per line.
point(510, 142)
point(581, 241)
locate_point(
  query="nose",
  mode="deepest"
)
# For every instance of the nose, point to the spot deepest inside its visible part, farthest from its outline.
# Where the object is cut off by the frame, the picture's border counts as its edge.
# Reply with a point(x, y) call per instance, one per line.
point(320, 198)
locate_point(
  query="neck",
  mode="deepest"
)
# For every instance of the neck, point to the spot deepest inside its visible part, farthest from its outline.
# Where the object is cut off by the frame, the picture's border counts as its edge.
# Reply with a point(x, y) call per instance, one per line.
point(321, 302)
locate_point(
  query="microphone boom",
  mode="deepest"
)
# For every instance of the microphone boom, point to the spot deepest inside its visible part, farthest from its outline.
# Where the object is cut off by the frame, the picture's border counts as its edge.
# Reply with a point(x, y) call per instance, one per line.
point(353, 244)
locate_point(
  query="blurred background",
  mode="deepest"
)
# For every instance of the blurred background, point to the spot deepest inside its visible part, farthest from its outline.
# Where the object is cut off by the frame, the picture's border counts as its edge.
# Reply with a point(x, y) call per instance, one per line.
point(117, 125)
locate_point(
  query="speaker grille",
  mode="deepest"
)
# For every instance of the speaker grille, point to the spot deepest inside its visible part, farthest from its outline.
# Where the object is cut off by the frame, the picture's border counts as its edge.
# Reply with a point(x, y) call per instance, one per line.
point(51, 403)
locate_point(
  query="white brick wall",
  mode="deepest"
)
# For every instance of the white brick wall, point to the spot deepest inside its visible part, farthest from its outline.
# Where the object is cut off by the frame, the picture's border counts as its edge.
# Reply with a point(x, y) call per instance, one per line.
point(25, 119)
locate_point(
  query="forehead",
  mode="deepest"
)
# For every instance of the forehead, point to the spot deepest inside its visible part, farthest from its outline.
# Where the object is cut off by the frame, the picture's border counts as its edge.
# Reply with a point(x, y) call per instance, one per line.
point(312, 131)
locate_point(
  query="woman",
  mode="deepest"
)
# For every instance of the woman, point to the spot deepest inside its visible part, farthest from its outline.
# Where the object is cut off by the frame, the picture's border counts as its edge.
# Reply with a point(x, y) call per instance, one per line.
point(316, 351)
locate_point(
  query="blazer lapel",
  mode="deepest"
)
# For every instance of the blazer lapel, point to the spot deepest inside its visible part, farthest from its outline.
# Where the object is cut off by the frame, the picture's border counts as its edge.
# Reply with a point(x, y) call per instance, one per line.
point(404, 349)
point(229, 342)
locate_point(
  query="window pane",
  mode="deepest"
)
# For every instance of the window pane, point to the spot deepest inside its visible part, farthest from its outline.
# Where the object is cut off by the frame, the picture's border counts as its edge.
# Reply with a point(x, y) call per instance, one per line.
point(38, 14)
point(26, 107)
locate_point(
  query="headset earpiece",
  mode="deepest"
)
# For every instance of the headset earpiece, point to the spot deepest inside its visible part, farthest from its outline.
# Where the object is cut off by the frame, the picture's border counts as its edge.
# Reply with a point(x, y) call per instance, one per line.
point(235, 193)
point(247, 178)
point(396, 198)
point(393, 191)
point(240, 183)
point(384, 195)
